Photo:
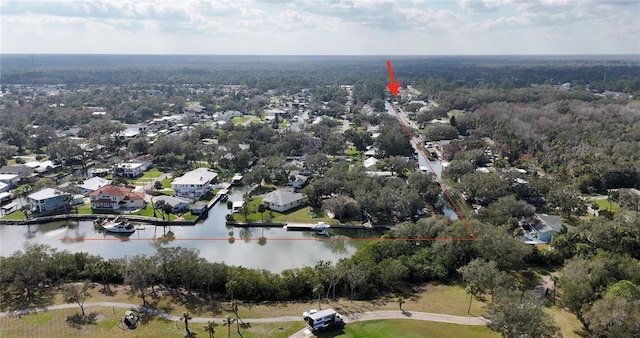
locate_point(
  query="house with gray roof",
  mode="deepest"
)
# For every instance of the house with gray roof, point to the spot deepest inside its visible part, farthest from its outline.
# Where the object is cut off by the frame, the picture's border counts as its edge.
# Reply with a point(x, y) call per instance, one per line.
point(283, 200)
point(92, 184)
point(194, 183)
point(48, 200)
point(177, 204)
point(541, 228)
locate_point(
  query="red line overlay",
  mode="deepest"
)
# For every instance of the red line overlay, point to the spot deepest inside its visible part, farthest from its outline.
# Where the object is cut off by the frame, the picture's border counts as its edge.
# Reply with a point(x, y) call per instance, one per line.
point(73, 239)
point(442, 186)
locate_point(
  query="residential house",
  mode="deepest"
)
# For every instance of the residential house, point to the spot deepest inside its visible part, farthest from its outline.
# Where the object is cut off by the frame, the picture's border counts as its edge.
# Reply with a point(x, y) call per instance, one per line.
point(198, 208)
point(4, 187)
point(114, 197)
point(541, 228)
point(131, 169)
point(274, 114)
point(41, 167)
point(370, 162)
point(22, 170)
point(177, 204)
point(48, 200)
point(99, 172)
point(298, 180)
point(194, 183)
point(10, 179)
point(92, 184)
point(282, 200)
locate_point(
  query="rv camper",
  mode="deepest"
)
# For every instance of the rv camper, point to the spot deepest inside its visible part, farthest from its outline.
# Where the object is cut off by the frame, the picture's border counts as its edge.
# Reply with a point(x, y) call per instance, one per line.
point(324, 319)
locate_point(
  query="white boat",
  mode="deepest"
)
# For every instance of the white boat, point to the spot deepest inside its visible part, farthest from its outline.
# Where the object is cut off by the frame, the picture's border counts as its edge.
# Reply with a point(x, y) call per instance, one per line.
point(320, 226)
point(117, 225)
point(324, 232)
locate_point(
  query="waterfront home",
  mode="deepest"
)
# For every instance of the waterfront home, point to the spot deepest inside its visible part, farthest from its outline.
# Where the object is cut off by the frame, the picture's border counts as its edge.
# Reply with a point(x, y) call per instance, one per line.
point(283, 200)
point(48, 200)
point(92, 184)
point(198, 208)
point(114, 197)
point(10, 179)
point(177, 204)
point(194, 183)
point(23, 171)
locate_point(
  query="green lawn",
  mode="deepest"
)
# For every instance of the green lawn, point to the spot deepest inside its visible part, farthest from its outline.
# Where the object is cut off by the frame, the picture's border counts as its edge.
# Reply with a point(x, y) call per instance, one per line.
point(148, 212)
point(148, 175)
point(353, 153)
point(299, 215)
point(166, 183)
point(16, 215)
point(603, 204)
point(408, 329)
point(241, 119)
point(85, 209)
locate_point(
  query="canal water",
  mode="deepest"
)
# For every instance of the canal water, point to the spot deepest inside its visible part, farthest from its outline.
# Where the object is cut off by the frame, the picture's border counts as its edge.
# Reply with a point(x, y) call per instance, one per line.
point(273, 249)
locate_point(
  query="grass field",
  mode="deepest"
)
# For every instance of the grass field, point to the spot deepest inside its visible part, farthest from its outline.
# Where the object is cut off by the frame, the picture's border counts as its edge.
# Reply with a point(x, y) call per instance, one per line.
point(406, 328)
point(300, 215)
point(16, 215)
point(603, 204)
point(148, 176)
point(430, 298)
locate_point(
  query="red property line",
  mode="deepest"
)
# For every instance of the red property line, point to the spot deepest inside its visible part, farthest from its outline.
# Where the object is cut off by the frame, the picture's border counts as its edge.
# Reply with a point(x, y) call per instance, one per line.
point(442, 186)
point(80, 239)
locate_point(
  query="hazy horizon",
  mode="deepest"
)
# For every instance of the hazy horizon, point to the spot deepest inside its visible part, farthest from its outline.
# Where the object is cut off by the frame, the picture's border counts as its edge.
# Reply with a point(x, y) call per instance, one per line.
point(317, 28)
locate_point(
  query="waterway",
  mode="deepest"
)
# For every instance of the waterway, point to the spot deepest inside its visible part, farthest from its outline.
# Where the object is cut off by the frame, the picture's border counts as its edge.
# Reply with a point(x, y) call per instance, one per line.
point(433, 166)
point(279, 250)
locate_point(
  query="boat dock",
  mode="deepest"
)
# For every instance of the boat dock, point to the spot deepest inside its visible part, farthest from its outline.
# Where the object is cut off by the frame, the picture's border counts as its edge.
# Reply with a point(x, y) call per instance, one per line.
point(306, 226)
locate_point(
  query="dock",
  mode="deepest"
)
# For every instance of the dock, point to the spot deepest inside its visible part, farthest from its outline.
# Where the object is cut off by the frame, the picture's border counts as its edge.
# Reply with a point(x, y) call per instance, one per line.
point(308, 226)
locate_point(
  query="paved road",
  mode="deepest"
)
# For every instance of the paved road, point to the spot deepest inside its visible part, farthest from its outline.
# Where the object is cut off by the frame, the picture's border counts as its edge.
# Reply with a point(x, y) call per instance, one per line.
point(376, 315)
point(373, 315)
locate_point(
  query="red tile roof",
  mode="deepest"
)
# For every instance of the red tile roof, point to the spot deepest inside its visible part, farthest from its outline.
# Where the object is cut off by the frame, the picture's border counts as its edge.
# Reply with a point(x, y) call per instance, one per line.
point(114, 190)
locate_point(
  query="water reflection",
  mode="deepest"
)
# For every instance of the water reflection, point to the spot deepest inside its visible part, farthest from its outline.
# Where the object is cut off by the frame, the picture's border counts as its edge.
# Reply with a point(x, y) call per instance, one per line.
point(214, 240)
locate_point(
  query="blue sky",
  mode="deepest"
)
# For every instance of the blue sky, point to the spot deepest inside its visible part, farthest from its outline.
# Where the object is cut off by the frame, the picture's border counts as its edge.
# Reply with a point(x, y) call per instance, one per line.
point(316, 27)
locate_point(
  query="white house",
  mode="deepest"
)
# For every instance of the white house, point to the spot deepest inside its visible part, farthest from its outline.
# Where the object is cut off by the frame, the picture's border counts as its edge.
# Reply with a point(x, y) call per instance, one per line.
point(370, 162)
point(10, 179)
point(131, 169)
point(177, 204)
point(92, 184)
point(194, 183)
point(116, 198)
point(282, 200)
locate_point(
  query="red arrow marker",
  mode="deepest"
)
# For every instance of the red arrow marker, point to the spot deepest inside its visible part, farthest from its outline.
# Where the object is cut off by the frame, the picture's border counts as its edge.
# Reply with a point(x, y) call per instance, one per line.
point(393, 85)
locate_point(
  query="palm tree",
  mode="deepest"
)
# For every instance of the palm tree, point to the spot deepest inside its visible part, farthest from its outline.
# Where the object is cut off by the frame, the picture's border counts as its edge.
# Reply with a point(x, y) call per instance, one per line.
point(228, 321)
point(261, 210)
point(186, 316)
point(210, 328)
point(231, 284)
point(318, 289)
point(160, 206)
point(400, 301)
point(167, 209)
